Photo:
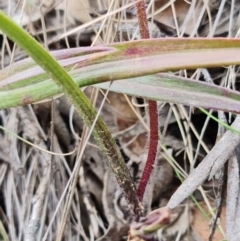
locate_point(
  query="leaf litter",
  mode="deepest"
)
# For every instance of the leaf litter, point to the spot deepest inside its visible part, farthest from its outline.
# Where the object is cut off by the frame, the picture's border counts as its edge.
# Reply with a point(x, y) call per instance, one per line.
point(32, 181)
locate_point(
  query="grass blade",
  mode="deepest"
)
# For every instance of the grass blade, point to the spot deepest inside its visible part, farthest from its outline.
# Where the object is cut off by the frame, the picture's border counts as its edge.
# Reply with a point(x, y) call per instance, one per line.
point(173, 89)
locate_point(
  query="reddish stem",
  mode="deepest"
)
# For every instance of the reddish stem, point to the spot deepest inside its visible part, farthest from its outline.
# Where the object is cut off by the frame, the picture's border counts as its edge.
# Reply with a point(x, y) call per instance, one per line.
point(142, 20)
point(153, 115)
point(152, 151)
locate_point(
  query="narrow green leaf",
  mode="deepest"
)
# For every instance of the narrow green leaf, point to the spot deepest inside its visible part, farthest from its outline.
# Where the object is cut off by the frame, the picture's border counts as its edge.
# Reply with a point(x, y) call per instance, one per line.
point(170, 88)
point(63, 54)
point(162, 87)
point(138, 58)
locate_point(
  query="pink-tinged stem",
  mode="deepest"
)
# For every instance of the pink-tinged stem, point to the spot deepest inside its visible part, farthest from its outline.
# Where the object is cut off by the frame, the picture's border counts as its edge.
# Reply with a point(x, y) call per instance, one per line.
point(142, 20)
point(153, 115)
point(152, 151)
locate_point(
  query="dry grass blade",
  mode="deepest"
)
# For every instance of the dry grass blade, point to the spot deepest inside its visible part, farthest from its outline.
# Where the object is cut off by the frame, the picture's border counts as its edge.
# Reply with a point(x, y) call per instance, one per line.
point(233, 205)
point(37, 209)
point(85, 137)
point(215, 159)
point(42, 193)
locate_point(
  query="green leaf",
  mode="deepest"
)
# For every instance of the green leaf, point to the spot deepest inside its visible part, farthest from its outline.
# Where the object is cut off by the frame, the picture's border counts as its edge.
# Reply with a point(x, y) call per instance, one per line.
point(174, 89)
point(122, 61)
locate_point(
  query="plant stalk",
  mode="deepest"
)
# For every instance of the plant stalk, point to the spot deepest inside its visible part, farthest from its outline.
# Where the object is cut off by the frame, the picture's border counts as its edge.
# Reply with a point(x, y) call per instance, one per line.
point(152, 110)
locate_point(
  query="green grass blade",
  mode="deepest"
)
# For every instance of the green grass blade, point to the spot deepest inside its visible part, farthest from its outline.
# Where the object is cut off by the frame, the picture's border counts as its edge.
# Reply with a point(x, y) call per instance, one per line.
point(174, 89)
point(134, 59)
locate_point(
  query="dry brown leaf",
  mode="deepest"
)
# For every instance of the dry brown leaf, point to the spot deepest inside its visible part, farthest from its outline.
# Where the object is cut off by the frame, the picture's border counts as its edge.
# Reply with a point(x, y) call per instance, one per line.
point(76, 10)
point(201, 223)
point(125, 118)
point(181, 8)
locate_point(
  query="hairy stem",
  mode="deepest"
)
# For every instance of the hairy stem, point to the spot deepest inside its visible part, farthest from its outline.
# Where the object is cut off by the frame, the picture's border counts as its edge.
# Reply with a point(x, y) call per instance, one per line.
point(142, 20)
point(152, 109)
